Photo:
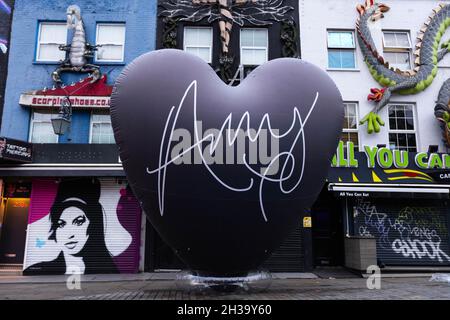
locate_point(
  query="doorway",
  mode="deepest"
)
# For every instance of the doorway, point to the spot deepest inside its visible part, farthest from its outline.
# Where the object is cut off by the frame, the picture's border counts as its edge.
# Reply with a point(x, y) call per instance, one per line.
point(327, 231)
point(13, 230)
point(14, 207)
point(160, 255)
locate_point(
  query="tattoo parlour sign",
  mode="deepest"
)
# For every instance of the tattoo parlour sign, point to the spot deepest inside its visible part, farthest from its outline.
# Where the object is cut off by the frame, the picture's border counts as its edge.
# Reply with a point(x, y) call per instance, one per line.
point(15, 150)
point(83, 95)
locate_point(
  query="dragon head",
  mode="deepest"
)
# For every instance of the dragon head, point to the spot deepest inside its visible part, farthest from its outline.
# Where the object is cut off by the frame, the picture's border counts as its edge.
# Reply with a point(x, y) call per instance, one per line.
point(373, 9)
point(73, 13)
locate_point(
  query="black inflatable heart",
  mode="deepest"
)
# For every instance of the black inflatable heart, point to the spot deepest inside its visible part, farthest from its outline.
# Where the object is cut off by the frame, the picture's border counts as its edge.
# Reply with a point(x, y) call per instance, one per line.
point(224, 219)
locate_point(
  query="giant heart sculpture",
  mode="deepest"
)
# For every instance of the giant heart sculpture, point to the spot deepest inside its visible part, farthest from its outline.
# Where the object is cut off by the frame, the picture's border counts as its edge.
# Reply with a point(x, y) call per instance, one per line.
point(224, 216)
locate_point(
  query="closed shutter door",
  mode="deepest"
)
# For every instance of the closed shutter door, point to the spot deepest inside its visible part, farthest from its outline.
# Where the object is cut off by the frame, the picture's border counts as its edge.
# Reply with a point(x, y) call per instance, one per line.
point(95, 230)
point(289, 257)
point(408, 231)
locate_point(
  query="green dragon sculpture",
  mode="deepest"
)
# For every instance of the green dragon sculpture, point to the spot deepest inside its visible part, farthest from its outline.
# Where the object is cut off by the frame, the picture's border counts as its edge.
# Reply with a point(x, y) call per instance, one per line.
point(406, 82)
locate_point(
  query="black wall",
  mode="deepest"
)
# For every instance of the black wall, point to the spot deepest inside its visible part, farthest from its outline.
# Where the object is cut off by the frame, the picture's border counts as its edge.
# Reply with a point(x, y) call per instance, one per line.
point(275, 29)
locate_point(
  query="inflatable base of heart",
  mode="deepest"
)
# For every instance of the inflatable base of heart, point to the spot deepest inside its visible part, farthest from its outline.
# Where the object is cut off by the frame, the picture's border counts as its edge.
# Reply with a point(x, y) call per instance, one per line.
point(254, 282)
point(224, 212)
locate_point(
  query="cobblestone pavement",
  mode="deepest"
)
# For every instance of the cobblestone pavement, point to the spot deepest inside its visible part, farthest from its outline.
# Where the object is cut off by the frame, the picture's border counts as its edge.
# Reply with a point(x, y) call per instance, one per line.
point(280, 289)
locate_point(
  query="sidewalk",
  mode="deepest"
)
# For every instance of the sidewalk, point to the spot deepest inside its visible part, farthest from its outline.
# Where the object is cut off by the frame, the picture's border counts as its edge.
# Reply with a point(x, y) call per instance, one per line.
point(161, 276)
point(163, 286)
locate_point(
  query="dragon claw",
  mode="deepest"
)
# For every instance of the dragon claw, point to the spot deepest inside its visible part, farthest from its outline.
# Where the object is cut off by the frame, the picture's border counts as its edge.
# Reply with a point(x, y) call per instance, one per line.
point(374, 122)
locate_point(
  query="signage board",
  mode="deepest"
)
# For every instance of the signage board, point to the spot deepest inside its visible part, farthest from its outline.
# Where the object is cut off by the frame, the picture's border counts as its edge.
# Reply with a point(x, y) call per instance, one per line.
point(383, 165)
point(82, 95)
point(15, 150)
point(307, 223)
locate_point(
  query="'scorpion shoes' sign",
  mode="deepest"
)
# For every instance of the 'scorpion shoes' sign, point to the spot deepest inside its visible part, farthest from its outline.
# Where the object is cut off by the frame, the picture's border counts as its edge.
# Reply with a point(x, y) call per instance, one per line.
point(84, 94)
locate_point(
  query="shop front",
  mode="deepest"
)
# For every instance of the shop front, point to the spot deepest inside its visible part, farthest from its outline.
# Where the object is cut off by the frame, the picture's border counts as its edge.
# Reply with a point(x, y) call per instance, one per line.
point(75, 217)
point(14, 208)
point(398, 199)
point(15, 194)
point(82, 225)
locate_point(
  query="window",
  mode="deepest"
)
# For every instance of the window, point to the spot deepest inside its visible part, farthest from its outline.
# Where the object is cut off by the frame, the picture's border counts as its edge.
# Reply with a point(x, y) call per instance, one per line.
point(341, 50)
point(198, 41)
point(111, 37)
point(41, 129)
point(51, 36)
point(254, 44)
point(101, 129)
point(350, 127)
point(402, 134)
point(397, 49)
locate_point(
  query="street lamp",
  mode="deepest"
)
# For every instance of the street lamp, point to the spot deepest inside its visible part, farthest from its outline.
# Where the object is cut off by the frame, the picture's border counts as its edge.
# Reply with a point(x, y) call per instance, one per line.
point(62, 122)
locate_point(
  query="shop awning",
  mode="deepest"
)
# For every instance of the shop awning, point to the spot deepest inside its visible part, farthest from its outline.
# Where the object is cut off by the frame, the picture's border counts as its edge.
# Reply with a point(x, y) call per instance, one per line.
point(62, 170)
point(389, 190)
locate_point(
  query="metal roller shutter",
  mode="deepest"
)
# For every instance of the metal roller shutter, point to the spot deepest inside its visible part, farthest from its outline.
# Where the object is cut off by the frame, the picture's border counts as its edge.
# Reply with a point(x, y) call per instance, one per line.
point(102, 227)
point(408, 231)
point(289, 257)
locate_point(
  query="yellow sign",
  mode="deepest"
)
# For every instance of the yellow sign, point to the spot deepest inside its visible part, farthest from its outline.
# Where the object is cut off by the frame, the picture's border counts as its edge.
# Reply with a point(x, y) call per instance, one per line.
point(307, 223)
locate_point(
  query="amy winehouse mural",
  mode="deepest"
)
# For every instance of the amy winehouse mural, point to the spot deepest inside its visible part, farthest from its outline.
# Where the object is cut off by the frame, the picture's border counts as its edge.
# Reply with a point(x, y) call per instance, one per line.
point(92, 226)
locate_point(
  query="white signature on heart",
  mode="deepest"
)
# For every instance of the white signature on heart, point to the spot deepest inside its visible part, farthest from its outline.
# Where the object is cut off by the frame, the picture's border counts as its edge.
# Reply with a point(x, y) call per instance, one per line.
point(165, 143)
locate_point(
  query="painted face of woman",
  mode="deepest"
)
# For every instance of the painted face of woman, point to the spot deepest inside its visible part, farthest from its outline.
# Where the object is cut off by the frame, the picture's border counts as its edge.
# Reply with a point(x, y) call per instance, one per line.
point(71, 233)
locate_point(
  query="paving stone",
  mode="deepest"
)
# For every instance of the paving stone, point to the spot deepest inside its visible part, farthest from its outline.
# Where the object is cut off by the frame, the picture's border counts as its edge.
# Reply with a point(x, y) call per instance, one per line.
point(281, 289)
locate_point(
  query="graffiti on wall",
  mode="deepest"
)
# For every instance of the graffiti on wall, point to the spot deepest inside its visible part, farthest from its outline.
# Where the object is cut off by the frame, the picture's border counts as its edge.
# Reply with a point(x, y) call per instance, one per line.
point(82, 226)
point(417, 234)
point(5, 14)
point(5, 23)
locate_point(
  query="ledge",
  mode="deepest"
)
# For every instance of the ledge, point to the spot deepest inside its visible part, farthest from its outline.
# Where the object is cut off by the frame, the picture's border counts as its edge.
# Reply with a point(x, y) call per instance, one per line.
point(343, 70)
point(46, 63)
point(105, 64)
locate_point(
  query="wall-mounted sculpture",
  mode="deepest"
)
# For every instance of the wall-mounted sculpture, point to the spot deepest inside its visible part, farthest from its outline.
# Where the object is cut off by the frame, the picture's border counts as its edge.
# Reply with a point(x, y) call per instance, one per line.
point(79, 51)
point(228, 13)
point(427, 55)
point(442, 111)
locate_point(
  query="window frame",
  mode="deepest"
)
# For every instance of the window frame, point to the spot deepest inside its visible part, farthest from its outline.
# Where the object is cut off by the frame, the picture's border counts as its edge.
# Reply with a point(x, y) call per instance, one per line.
point(254, 47)
point(347, 130)
point(407, 32)
point(91, 124)
point(398, 49)
point(352, 49)
point(97, 28)
point(210, 47)
point(403, 131)
point(32, 122)
point(38, 40)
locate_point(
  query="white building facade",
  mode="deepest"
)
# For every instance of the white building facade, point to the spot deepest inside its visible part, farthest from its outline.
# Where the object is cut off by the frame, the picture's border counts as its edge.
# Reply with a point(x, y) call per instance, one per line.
point(383, 212)
point(322, 21)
